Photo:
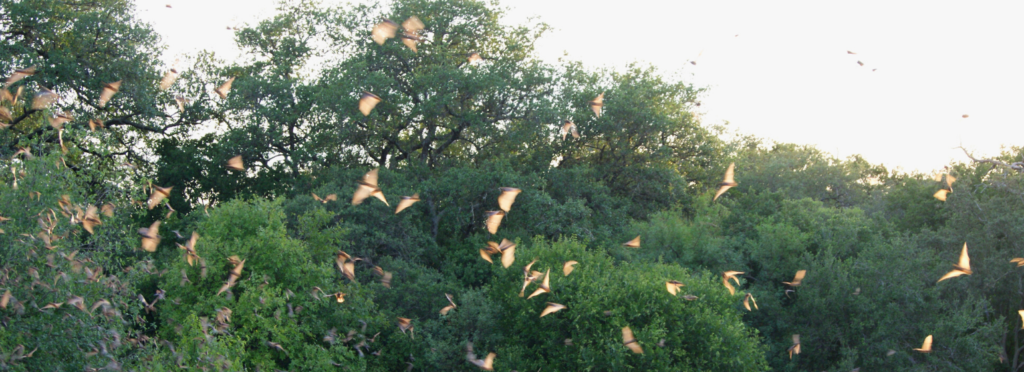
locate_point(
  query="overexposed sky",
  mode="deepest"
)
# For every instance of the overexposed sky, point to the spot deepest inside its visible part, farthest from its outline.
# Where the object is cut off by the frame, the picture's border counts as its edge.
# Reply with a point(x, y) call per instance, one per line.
point(786, 77)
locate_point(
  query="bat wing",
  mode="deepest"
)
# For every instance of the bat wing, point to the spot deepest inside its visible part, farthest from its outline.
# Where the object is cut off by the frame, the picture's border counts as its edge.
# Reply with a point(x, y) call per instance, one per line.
point(380, 196)
point(370, 178)
point(384, 31)
point(413, 24)
point(635, 243)
point(225, 88)
point(746, 301)
point(721, 190)
point(630, 341)
point(926, 347)
point(729, 174)
point(941, 194)
point(799, 276)
point(552, 307)
point(951, 274)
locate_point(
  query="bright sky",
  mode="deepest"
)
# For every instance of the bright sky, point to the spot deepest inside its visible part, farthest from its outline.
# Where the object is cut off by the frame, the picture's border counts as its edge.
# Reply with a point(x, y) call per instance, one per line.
point(786, 77)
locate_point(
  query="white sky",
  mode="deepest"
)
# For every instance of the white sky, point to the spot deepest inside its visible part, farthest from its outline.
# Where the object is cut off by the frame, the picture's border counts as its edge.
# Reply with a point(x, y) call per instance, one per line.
point(786, 77)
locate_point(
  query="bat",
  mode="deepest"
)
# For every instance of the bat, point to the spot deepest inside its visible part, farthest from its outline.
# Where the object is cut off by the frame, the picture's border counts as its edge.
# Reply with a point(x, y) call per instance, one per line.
point(384, 31)
point(926, 347)
point(20, 74)
point(964, 116)
point(368, 187)
point(507, 197)
point(494, 220)
point(727, 182)
point(108, 92)
point(57, 122)
point(849, 52)
point(93, 124)
point(629, 341)
point(552, 308)
point(235, 163)
point(446, 309)
point(169, 78)
point(596, 104)
point(941, 194)
point(43, 99)
point(324, 200)
point(367, 102)
point(404, 324)
point(407, 201)
point(412, 27)
point(1019, 261)
point(568, 267)
point(190, 249)
point(569, 127)
point(507, 249)
point(544, 288)
point(960, 268)
point(746, 303)
point(234, 275)
point(731, 275)
point(796, 279)
point(673, 286)
point(795, 349)
point(91, 218)
point(225, 88)
point(150, 237)
point(635, 243)
point(158, 195)
point(473, 57)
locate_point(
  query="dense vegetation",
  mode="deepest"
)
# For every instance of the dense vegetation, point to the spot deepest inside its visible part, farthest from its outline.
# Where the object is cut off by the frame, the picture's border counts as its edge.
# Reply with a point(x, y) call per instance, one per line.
point(872, 241)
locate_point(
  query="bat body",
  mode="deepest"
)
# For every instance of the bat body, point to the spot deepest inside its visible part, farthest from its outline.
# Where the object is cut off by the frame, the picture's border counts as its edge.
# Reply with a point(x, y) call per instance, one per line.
point(635, 243)
point(727, 183)
point(597, 104)
point(507, 197)
point(568, 267)
point(673, 286)
point(224, 89)
point(926, 347)
point(236, 163)
point(109, 90)
point(799, 277)
point(367, 188)
point(795, 349)
point(367, 102)
point(630, 341)
point(406, 202)
point(384, 31)
point(150, 237)
point(731, 275)
point(569, 127)
point(552, 308)
point(494, 220)
point(963, 267)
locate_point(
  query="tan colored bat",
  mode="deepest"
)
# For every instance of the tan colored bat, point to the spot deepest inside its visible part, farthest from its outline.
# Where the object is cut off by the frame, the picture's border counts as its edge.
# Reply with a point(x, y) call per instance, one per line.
point(797, 279)
point(544, 288)
point(747, 300)
point(225, 88)
point(328, 198)
point(795, 349)
point(569, 128)
point(406, 202)
point(494, 220)
point(367, 188)
point(673, 286)
point(234, 275)
point(191, 257)
point(109, 90)
point(384, 31)
point(635, 243)
point(235, 163)
point(507, 197)
point(92, 218)
point(941, 194)
point(552, 307)
point(150, 237)
point(446, 309)
point(597, 104)
point(568, 267)
point(473, 57)
point(169, 78)
point(158, 195)
point(926, 347)
point(960, 268)
point(20, 74)
point(630, 341)
point(727, 182)
point(731, 275)
point(44, 99)
point(1019, 261)
point(367, 102)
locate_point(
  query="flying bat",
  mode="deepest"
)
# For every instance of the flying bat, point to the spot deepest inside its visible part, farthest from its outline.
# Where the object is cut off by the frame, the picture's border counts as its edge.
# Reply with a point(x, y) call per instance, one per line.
point(235, 163)
point(629, 341)
point(568, 267)
point(43, 99)
point(367, 102)
point(446, 309)
point(799, 277)
point(169, 78)
point(569, 127)
point(746, 303)
point(673, 286)
point(507, 249)
point(473, 57)
point(158, 195)
point(368, 187)
point(795, 349)
point(596, 105)
point(727, 182)
point(926, 347)
point(544, 288)
point(507, 197)
point(941, 194)
point(225, 88)
point(494, 220)
point(731, 275)
point(92, 218)
point(324, 200)
point(150, 237)
point(384, 31)
point(960, 268)
point(635, 243)
point(20, 74)
point(108, 92)
point(407, 201)
point(552, 307)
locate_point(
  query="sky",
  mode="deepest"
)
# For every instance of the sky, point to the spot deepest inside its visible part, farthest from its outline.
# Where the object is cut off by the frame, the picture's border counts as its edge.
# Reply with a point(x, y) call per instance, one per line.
point(776, 71)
